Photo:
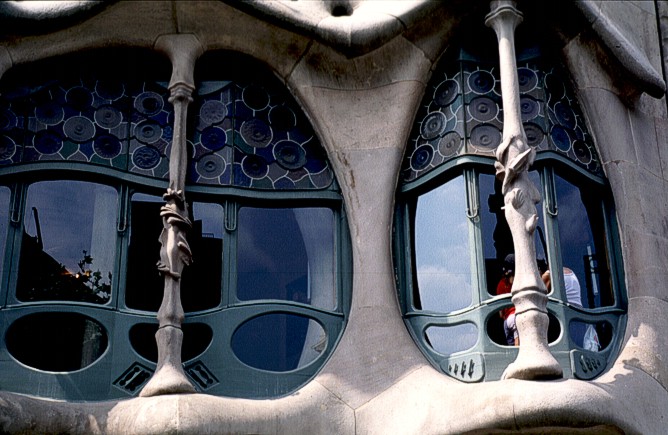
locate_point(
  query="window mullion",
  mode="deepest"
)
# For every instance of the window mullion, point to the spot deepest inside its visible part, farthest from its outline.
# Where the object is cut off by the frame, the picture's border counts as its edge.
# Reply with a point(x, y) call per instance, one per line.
point(230, 253)
point(552, 234)
point(14, 237)
point(478, 276)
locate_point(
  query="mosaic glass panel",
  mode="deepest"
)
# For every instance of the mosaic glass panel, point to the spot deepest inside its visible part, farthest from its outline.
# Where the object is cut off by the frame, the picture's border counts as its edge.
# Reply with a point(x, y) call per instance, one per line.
point(462, 113)
point(249, 135)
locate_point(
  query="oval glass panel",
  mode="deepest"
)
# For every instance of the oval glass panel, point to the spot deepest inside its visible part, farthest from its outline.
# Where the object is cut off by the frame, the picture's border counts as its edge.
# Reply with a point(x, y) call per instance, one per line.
point(56, 342)
point(279, 342)
point(590, 336)
point(447, 340)
point(196, 339)
point(442, 251)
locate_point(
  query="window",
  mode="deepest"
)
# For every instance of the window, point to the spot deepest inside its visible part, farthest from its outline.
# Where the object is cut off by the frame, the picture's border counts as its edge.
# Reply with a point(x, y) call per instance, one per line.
point(451, 238)
point(84, 164)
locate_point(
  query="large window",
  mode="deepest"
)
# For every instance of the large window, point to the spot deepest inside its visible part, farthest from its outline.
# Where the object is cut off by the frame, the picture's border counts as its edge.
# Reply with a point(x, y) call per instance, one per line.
point(453, 246)
point(85, 158)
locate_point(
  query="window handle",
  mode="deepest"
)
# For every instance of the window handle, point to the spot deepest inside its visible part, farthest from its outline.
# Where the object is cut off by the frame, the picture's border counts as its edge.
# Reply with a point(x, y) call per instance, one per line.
point(17, 200)
point(230, 216)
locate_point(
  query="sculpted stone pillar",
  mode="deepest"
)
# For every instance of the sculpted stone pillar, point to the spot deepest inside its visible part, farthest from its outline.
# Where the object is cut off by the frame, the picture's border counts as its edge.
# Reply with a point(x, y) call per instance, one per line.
point(514, 156)
point(169, 377)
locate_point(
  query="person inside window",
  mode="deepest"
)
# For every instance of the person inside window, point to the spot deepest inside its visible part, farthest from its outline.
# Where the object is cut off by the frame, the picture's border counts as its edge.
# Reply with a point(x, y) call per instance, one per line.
point(508, 314)
point(574, 297)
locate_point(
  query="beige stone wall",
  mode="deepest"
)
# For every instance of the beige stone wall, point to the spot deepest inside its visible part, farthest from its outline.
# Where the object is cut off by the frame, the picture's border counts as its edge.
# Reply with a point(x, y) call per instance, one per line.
point(362, 108)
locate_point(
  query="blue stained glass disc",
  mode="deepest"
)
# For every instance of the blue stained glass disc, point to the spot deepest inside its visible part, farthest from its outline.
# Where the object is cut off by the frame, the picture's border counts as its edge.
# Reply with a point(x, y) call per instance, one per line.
point(422, 157)
point(256, 133)
point(47, 142)
point(483, 109)
point(565, 115)
point(282, 118)
point(107, 146)
point(449, 144)
point(446, 92)
point(254, 166)
point(561, 138)
point(527, 79)
point(210, 166)
point(149, 103)
point(213, 138)
point(289, 155)
point(255, 97)
point(582, 152)
point(109, 89)
point(49, 113)
point(212, 112)
point(433, 125)
point(7, 120)
point(79, 129)
point(108, 117)
point(481, 82)
point(79, 98)
point(148, 132)
point(486, 136)
point(146, 157)
point(7, 148)
point(529, 108)
point(533, 133)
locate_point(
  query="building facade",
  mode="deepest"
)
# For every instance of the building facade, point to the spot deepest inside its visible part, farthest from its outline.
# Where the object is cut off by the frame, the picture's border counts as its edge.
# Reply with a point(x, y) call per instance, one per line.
point(333, 217)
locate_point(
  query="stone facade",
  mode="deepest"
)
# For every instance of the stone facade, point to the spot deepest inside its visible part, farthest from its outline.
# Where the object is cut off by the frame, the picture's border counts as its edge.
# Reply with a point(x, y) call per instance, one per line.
point(360, 77)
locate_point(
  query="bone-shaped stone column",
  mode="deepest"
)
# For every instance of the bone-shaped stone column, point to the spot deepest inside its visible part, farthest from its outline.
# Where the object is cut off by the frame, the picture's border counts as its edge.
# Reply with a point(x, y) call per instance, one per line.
point(514, 156)
point(169, 377)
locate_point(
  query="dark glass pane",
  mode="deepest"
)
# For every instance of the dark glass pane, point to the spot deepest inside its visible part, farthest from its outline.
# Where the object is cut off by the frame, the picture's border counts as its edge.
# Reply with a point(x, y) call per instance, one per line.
point(56, 342)
point(196, 338)
point(500, 327)
point(583, 250)
point(442, 250)
point(497, 239)
point(286, 254)
point(447, 340)
point(69, 242)
point(4, 219)
point(591, 336)
point(200, 282)
point(279, 342)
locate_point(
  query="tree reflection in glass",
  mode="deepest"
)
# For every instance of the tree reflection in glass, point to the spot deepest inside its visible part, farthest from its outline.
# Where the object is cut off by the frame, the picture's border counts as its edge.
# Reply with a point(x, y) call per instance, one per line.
point(69, 242)
point(442, 251)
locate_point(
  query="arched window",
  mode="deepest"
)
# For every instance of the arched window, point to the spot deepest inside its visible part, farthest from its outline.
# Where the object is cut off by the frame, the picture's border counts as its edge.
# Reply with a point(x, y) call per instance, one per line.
point(84, 161)
point(453, 247)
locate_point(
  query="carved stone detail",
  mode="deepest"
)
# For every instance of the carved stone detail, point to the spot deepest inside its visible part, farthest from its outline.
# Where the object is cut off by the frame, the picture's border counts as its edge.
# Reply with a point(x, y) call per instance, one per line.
point(175, 254)
point(514, 156)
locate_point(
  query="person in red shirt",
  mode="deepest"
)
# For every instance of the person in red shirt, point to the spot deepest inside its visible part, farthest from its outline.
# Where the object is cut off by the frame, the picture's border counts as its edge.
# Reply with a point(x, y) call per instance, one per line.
point(508, 314)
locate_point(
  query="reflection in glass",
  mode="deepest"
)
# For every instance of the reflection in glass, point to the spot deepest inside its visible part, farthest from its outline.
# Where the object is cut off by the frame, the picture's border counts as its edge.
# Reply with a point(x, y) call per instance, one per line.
point(496, 332)
point(286, 254)
point(447, 340)
point(4, 219)
point(442, 251)
point(201, 280)
point(69, 242)
point(278, 342)
point(497, 239)
point(56, 342)
point(582, 240)
point(590, 336)
point(196, 339)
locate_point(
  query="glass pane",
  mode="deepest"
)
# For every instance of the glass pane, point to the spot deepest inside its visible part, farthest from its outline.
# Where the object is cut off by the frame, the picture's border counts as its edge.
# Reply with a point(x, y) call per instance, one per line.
point(582, 240)
point(196, 339)
point(200, 282)
point(4, 219)
point(502, 328)
point(286, 254)
point(591, 336)
point(56, 342)
point(497, 239)
point(442, 251)
point(279, 342)
point(69, 242)
point(447, 340)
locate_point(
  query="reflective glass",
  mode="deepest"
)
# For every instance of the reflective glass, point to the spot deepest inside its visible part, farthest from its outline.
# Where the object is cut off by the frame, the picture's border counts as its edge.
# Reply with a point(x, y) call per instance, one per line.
point(591, 336)
point(201, 280)
point(69, 242)
point(442, 251)
point(447, 340)
point(279, 342)
point(286, 254)
point(56, 342)
point(4, 219)
point(582, 241)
